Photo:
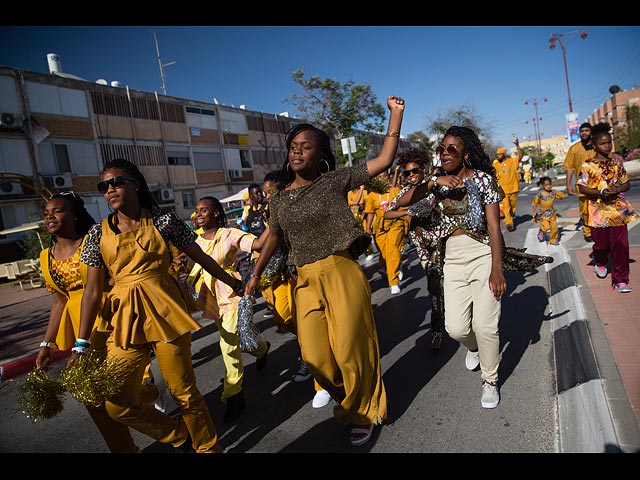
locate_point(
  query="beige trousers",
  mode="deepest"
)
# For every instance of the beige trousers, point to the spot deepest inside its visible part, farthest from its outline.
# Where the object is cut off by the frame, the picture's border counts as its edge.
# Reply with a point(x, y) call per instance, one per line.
point(471, 312)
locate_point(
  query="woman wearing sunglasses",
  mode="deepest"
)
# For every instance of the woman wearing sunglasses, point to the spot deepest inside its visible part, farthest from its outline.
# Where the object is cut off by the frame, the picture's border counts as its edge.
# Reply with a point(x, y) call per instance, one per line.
point(149, 310)
point(472, 245)
point(423, 234)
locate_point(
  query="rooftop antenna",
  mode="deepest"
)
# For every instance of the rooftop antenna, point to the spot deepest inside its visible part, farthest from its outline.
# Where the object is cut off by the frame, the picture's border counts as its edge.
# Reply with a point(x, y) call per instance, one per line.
point(162, 65)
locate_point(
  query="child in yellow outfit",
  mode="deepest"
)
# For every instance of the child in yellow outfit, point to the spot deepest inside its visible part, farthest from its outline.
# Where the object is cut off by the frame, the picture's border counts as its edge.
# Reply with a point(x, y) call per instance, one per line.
point(544, 212)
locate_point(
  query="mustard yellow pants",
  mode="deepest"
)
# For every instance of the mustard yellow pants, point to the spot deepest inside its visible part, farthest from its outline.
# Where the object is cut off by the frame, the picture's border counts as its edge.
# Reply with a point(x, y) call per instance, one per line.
point(389, 243)
point(550, 225)
point(509, 207)
point(174, 360)
point(471, 312)
point(232, 354)
point(338, 337)
point(277, 297)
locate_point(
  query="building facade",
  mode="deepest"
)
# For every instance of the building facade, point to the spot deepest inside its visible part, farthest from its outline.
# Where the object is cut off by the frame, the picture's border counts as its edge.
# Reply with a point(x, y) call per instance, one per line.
point(57, 131)
point(614, 111)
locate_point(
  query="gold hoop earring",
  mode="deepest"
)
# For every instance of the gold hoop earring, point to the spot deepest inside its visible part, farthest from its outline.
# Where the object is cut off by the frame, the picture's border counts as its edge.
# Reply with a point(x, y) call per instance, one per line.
point(326, 163)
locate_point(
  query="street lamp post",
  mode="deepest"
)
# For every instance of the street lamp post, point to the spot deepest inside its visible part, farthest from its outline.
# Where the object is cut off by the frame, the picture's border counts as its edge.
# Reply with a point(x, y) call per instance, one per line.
point(536, 122)
point(563, 40)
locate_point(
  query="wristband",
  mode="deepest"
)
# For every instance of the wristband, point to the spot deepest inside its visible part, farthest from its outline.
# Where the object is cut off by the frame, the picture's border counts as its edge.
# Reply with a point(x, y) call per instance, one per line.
point(78, 350)
point(81, 342)
point(48, 345)
point(393, 134)
point(253, 275)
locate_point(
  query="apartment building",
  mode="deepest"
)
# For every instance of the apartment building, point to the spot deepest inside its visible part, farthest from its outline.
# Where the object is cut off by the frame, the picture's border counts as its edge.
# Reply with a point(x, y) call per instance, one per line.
point(614, 110)
point(58, 130)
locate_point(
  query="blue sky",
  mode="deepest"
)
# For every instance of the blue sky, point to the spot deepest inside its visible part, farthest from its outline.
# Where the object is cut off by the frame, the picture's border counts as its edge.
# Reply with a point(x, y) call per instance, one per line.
point(494, 69)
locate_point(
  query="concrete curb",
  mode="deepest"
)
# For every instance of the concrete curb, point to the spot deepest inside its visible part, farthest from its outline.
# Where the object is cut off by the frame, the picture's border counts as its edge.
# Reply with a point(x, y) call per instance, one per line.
point(20, 366)
point(584, 418)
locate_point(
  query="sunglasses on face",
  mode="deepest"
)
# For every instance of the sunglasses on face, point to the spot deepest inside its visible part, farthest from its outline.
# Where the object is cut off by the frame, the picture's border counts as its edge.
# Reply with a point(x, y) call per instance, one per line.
point(413, 171)
point(115, 182)
point(451, 150)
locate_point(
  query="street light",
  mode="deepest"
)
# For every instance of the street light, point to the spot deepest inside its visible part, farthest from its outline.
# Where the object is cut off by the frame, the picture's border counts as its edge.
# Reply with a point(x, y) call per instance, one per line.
point(563, 40)
point(536, 122)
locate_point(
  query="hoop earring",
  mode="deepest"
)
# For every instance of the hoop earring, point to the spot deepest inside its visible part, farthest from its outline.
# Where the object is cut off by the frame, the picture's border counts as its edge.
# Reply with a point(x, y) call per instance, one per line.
point(466, 162)
point(326, 163)
point(286, 167)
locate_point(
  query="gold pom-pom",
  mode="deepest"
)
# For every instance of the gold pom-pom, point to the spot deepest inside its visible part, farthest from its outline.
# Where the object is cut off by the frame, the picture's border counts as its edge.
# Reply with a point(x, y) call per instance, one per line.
point(376, 185)
point(41, 396)
point(92, 380)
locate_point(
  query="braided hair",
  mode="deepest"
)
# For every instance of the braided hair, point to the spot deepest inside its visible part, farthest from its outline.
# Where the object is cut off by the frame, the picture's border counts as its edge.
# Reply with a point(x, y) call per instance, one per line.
point(82, 218)
point(144, 195)
point(221, 219)
point(324, 143)
point(477, 156)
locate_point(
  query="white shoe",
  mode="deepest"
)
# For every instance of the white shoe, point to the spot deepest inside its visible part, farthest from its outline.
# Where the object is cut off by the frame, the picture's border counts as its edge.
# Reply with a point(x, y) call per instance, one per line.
point(400, 276)
point(321, 399)
point(472, 360)
point(395, 289)
point(368, 258)
point(490, 395)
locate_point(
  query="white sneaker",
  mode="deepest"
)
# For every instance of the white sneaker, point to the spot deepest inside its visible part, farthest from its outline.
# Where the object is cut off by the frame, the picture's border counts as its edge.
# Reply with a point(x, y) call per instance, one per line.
point(601, 271)
point(395, 289)
point(321, 399)
point(490, 395)
point(368, 258)
point(400, 276)
point(472, 360)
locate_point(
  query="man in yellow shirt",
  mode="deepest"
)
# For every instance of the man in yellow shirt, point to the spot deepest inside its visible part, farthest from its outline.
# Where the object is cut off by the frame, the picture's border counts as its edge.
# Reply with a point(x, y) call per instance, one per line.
point(579, 153)
point(508, 173)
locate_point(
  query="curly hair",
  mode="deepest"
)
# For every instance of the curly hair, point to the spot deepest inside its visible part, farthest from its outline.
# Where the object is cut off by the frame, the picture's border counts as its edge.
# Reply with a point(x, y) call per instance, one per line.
point(324, 143)
point(415, 155)
point(217, 206)
point(144, 195)
point(477, 156)
point(82, 218)
point(600, 129)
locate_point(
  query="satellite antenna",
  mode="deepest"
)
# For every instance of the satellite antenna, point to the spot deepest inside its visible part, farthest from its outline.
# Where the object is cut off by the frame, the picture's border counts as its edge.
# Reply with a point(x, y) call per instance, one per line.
point(162, 65)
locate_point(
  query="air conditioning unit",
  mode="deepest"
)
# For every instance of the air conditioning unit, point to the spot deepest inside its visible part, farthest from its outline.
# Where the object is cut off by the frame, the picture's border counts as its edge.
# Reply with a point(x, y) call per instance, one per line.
point(166, 194)
point(235, 173)
point(8, 119)
point(7, 188)
point(60, 181)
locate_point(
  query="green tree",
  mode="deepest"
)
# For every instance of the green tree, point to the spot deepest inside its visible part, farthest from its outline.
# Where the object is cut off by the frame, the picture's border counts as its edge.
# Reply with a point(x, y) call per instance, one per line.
point(422, 140)
point(465, 115)
point(340, 108)
point(629, 136)
point(30, 242)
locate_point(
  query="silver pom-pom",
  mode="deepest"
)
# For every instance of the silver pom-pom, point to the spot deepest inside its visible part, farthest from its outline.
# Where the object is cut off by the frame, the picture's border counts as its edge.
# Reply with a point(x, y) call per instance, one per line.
point(424, 207)
point(249, 336)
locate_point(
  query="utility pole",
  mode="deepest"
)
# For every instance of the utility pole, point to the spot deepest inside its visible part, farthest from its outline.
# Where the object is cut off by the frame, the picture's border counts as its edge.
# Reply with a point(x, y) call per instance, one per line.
point(161, 65)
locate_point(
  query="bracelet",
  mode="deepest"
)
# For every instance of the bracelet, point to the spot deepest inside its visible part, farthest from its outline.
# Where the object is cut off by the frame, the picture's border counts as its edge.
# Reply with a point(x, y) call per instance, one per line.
point(79, 350)
point(393, 134)
point(48, 344)
point(253, 275)
point(601, 195)
point(82, 342)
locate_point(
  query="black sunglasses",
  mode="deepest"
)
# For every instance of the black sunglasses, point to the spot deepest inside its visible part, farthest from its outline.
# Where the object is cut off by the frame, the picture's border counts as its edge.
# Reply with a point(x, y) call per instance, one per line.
point(451, 150)
point(413, 171)
point(115, 182)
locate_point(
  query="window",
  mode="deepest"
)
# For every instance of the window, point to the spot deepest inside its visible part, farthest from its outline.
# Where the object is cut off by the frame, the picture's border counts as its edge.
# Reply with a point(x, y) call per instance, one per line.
point(62, 158)
point(178, 157)
point(188, 200)
point(244, 159)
